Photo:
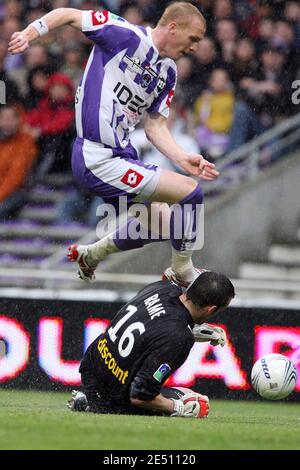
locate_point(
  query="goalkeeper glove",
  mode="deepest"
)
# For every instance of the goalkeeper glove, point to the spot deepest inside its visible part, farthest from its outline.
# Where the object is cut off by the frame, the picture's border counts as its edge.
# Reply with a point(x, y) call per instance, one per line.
point(191, 405)
point(78, 402)
point(214, 334)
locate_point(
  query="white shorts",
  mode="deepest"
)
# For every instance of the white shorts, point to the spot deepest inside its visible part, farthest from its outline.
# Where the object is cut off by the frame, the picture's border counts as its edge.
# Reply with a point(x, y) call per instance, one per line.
point(96, 168)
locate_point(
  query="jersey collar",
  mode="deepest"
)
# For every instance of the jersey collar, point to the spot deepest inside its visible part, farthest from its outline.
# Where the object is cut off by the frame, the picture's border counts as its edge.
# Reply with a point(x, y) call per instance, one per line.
point(149, 35)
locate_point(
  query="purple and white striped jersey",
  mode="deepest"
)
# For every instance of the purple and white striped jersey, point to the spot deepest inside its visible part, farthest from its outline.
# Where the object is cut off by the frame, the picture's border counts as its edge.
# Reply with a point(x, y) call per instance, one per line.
point(124, 77)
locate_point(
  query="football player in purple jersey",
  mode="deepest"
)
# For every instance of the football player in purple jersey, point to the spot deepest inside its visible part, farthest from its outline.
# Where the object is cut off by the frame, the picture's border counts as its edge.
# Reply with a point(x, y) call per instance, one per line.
point(130, 75)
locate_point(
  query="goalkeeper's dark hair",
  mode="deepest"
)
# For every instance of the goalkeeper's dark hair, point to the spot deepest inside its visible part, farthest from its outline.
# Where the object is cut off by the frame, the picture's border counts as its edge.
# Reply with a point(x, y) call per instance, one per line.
point(211, 288)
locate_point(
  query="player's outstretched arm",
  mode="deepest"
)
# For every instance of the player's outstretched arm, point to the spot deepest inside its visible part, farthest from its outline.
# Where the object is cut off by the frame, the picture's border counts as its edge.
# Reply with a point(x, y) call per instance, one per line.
point(158, 133)
point(159, 403)
point(20, 40)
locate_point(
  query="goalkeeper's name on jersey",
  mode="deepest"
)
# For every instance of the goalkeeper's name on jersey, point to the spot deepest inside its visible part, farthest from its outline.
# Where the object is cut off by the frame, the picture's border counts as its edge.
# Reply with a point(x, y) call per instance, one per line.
point(110, 362)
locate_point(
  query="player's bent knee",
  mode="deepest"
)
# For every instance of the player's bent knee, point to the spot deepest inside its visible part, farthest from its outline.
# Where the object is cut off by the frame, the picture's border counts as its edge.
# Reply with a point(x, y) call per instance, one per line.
point(173, 187)
point(188, 184)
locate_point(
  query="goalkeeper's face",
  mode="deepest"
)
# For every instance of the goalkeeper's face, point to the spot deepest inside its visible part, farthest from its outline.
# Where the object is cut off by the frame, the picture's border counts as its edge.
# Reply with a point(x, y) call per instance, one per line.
point(205, 313)
point(201, 314)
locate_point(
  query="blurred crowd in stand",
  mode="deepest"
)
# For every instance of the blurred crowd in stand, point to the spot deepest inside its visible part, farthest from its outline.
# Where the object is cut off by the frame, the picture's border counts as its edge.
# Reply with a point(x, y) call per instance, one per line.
point(238, 85)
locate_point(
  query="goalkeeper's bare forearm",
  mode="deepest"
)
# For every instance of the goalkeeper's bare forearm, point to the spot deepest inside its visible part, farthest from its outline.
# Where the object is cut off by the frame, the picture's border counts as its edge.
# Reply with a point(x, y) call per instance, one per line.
point(21, 40)
point(159, 403)
point(190, 405)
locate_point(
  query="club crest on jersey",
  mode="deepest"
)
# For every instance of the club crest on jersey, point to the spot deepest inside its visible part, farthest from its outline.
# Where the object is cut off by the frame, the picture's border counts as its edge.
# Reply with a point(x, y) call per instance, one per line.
point(100, 17)
point(148, 75)
point(162, 372)
point(146, 79)
point(132, 178)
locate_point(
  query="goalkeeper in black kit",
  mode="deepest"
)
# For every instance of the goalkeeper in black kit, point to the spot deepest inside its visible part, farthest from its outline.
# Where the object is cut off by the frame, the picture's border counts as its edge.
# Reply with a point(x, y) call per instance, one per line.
point(124, 369)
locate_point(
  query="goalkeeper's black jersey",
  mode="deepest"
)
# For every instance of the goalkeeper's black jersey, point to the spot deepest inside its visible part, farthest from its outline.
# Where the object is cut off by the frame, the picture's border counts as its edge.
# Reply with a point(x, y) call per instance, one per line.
point(146, 342)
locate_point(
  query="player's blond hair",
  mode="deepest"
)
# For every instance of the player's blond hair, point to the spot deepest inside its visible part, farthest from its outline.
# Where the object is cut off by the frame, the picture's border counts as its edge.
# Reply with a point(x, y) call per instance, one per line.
point(181, 12)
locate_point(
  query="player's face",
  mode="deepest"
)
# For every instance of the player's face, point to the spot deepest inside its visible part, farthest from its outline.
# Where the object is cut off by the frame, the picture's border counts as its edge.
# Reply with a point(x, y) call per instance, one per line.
point(203, 314)
point(184, 39)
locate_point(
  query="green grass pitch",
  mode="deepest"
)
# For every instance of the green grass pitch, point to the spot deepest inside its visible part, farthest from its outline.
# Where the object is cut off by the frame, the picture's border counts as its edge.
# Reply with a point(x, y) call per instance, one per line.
point(40, 420)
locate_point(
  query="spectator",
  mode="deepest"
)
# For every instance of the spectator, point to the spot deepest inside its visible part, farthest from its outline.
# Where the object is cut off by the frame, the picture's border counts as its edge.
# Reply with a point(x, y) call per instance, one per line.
point(265, 34)
point(265, 9)
point(271, 82)
point(285, 38)
point(185, 80)
point(214, 114)
point(133, 14)
point(246, 17)
point(66, 37)
point(36, 56)
point(60, 4)
point(52, 121)
point(223, 10)
point(37, 85)
point(244, 63)
point(207, 60)
point(13, 9)
point(284, 35)
point(34, 14)
point(226, 36)
point(292, 14)
point(73, 63)
point(10, 24)
point(245, 126)
point(54, 114)
point(15, 163)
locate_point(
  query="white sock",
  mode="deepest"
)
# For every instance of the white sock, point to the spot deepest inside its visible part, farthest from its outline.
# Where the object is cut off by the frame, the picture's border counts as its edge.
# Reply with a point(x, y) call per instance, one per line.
point(101, 249)
point(183, 266)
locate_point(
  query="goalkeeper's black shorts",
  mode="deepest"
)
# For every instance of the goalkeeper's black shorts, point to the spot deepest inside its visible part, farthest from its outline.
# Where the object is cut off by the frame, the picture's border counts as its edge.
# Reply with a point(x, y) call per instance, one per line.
point(98, 403)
